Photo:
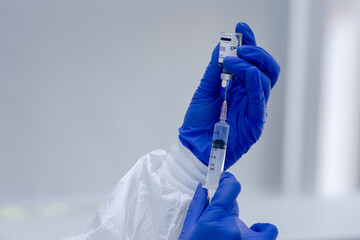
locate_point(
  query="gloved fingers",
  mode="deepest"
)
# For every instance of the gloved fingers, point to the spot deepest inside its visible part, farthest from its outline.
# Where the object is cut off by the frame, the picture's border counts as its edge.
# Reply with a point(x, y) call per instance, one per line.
point(227, 192)
point(254, 89)
point(262, 59)
point(239, 67)
point(210, 84)
point(248, 37)
point(235, 208)
point(236, 66)
point(265, 228)
point(197, 206)
point(242, 226)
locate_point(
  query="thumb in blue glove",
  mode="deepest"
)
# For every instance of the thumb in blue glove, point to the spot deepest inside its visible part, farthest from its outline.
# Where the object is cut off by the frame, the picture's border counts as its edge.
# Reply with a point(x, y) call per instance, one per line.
point(220, 219)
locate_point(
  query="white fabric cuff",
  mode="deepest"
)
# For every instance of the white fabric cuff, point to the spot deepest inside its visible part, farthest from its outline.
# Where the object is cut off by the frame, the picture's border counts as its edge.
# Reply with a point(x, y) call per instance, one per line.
point(182, 169)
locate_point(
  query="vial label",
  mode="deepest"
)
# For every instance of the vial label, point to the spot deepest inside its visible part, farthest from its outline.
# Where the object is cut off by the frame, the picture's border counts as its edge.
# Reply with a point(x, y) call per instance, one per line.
point(228, 45)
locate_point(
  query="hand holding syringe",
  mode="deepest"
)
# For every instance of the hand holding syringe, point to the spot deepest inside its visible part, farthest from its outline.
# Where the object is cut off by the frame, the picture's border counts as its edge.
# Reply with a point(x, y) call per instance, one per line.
point(255, 72)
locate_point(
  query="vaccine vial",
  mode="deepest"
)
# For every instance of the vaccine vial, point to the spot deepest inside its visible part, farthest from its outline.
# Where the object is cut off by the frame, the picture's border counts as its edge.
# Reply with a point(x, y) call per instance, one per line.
point(229, 42)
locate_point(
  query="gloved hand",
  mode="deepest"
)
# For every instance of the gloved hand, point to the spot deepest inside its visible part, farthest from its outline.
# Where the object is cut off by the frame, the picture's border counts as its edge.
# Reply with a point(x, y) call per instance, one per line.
point(256, 72)
point(220, 219)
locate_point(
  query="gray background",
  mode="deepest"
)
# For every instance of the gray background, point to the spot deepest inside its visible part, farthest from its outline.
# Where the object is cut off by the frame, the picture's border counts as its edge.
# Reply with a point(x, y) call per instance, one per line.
point(88, 87)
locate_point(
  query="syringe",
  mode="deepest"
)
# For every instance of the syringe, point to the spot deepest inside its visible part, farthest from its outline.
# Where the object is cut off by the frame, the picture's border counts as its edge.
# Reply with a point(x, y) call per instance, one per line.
point(218, 152)
point(229, 43)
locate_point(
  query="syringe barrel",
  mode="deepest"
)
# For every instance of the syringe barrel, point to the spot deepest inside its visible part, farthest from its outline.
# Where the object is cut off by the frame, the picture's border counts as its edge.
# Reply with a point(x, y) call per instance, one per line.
point(217, 156)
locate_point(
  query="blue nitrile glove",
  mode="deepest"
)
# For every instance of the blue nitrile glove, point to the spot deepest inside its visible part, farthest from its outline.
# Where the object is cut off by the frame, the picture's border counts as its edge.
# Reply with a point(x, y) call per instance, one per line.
point(256, 72)
point(220, 219)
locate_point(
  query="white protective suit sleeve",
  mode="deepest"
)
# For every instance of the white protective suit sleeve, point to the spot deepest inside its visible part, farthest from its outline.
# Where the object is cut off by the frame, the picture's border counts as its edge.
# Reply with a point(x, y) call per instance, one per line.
point(151, 200)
